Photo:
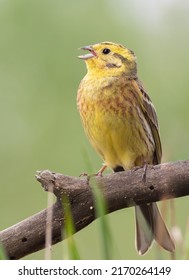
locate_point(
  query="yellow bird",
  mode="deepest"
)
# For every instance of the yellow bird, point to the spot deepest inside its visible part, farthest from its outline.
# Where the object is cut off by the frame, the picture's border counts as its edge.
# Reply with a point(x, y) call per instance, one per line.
point(121, 124)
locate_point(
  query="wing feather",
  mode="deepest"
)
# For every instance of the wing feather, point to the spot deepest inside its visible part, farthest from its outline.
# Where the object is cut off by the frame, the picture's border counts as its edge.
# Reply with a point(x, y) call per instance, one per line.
point(151, 117)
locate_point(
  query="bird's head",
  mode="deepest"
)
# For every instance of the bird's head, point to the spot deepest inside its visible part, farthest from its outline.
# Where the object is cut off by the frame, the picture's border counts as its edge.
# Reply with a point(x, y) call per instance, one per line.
point(110, 59)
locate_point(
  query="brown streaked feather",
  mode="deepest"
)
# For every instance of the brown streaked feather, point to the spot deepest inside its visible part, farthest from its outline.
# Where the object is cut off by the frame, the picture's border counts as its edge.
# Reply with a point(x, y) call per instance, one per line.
point(151, 117)
point(149, 224)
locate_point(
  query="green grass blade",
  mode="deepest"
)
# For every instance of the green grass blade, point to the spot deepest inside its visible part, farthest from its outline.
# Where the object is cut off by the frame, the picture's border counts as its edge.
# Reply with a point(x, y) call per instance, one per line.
point(3, 255)
point(101, 211)
point(69, 230)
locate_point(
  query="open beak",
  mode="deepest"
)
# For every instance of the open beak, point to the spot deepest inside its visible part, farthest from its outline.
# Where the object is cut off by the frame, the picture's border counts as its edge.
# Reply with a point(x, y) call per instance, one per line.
point(89, 55)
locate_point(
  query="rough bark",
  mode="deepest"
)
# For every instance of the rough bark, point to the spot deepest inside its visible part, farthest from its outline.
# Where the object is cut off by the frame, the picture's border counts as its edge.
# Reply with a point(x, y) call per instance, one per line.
point(121, 190)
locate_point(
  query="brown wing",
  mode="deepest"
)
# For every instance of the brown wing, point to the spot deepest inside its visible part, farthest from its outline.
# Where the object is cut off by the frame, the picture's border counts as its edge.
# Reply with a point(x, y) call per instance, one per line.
point(151, 117)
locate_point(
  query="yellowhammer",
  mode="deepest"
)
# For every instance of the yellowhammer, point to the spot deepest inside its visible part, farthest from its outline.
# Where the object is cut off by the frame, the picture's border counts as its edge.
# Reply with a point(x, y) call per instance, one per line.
point(121, 123)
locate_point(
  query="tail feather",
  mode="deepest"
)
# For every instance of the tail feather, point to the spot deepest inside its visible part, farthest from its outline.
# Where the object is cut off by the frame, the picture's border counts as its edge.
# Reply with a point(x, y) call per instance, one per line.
point(161, 234)
point(149, 226)
point(144, 233)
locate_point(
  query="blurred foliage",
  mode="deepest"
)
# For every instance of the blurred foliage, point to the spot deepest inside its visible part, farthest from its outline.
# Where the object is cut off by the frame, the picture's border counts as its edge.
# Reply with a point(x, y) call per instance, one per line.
point(39, 77)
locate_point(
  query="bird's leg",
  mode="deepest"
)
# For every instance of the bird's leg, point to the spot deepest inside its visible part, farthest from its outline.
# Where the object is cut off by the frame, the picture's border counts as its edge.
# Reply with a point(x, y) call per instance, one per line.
point(99, 173)
point(145, 171)
point(141, 162)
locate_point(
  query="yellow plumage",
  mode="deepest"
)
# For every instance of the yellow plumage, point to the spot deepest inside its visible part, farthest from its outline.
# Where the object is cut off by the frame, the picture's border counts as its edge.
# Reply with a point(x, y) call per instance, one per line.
point(120, 121)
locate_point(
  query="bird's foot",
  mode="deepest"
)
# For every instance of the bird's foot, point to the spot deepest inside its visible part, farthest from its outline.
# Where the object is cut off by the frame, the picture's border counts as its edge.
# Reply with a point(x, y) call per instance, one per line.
point(145, 167)
point(83, 174)
point(99, 173)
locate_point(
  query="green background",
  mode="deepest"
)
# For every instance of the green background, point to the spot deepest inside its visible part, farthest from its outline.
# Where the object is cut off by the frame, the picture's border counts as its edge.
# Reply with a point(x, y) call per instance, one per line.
point(40, 125)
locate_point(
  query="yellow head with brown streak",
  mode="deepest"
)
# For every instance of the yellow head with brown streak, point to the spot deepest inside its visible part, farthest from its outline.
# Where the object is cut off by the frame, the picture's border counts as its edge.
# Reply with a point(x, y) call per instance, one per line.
point(110, 59)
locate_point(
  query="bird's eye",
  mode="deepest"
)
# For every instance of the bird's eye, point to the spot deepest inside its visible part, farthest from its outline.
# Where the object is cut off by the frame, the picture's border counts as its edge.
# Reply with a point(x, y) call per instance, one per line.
point(106, 51)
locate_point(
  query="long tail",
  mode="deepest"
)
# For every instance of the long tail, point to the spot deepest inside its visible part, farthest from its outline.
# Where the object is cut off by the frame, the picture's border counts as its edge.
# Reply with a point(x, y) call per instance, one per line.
point(149, 226)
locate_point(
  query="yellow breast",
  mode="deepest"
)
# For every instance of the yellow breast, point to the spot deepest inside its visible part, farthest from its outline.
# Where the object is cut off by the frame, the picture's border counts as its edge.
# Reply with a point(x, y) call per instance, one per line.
point(112, 122)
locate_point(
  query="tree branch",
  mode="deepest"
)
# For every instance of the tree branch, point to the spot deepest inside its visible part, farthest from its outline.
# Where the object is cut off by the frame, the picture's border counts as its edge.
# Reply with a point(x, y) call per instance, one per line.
point(121, 190)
